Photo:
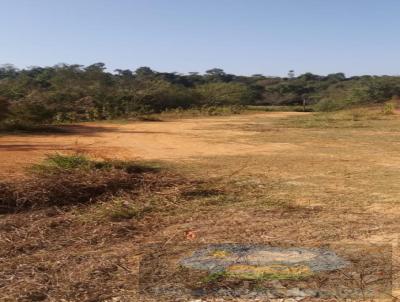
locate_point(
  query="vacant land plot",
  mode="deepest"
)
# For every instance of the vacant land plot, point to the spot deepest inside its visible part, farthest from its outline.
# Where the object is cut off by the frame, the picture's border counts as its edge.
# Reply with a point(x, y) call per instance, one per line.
point(278, 179)
point(169, 140)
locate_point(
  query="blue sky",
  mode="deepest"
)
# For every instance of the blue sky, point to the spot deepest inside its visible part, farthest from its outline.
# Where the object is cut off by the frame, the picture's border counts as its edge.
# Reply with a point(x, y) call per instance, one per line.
point(240, 36)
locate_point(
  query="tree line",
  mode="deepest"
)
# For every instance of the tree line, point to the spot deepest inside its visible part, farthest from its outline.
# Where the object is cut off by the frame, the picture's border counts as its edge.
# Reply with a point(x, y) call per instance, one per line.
point(78, 93)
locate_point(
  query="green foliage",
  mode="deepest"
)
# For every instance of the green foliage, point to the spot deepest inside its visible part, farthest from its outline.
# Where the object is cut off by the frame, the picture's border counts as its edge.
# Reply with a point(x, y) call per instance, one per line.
point(33, 108)
point(377, 89)
point(224, 93)
point(332, 92)
point(4, 108)
point(205, 110)
point(62, 93)
point(77, 93)
point(156, 95)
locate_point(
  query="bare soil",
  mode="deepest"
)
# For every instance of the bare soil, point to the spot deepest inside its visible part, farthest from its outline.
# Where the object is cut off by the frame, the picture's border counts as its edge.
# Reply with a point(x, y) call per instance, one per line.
point(170, 140)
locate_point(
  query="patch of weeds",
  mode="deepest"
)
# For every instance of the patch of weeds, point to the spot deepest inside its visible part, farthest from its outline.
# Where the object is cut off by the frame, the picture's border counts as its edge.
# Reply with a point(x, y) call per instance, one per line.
point(214, 277)
point(58, 162)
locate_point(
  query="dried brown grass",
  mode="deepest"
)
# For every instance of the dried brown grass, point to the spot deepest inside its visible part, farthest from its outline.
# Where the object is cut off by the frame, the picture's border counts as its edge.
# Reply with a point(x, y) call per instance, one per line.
point(68, 180)
point(72, 233)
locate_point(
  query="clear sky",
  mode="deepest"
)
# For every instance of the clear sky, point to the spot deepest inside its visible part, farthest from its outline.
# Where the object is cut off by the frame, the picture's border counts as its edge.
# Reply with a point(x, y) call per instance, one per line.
point(240, 36)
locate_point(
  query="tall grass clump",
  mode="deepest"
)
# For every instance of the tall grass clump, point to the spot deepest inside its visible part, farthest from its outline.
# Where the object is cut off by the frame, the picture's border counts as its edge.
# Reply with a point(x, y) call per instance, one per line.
point(388, 108)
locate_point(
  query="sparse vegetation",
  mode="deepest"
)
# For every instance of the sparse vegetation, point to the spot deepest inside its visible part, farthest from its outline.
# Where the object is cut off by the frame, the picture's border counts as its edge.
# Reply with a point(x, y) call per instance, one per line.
point(349, 118)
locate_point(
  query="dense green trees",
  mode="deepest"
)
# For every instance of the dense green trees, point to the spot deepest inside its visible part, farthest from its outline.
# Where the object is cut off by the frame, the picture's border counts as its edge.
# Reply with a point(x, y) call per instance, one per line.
point(330, 92)
point(4, 108)
point(220, 93)
point(75, 92)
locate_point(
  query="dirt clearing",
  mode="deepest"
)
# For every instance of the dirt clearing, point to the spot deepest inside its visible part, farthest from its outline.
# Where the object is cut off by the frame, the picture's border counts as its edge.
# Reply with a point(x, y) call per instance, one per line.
point(169, 140)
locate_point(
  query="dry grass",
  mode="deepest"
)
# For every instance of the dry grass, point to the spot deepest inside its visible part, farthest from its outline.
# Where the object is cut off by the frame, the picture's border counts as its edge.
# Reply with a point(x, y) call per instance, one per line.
point(72, 243)
point(352, 118)
point(66, 180)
